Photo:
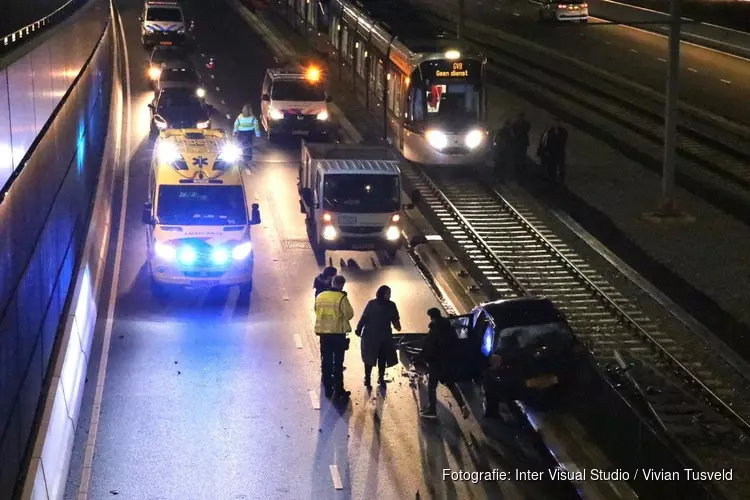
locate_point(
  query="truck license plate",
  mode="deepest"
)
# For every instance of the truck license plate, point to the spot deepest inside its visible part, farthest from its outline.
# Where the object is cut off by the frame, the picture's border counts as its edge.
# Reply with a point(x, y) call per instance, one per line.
point(541, 382)
point(347, 220)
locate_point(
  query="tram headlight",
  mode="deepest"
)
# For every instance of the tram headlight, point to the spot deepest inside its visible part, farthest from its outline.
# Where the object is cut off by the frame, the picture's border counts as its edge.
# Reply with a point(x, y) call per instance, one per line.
point(329, 233)
point(436, 139)
point(474, 138)
point(393, 233)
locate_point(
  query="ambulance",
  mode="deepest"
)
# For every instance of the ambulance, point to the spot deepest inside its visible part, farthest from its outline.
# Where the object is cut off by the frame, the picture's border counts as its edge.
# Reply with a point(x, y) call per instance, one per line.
point(197, 218)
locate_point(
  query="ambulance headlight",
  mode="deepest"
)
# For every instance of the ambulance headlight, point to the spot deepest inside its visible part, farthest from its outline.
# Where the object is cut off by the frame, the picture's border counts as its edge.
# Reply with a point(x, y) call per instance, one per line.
point(323, 115)
point(276, 115)
point(165, 251)
point(166, 152)
point(220, 256)
point(201, 93)
point(202, 125)
point(436, 139)
point(474, 138)
point(393, 233)
point(186, 255)
point(329, 233)
point(231, 153)
point(154, 73)
point(242, 251)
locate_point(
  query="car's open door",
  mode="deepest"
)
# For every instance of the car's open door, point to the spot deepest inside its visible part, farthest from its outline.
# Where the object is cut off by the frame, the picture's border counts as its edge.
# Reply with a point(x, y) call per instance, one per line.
point(462, 324)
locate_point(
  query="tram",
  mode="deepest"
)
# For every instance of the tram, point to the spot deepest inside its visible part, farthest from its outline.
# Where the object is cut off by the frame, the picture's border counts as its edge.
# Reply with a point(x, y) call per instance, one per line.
point(427, 90)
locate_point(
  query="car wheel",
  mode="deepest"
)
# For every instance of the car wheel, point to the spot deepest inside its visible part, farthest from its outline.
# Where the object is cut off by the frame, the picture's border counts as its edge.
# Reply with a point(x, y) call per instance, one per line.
point(490, 402)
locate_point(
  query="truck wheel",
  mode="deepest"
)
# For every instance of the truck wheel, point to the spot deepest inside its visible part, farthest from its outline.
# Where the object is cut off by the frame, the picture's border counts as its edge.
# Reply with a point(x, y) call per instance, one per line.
point(490, 402)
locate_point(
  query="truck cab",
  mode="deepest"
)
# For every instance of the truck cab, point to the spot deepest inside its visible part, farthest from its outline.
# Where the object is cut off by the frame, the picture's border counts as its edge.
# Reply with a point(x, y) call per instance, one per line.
point(351, 197)
point(198, 225)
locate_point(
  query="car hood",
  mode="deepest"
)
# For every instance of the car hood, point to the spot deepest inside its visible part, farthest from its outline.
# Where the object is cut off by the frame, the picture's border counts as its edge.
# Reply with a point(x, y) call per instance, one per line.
point(184, 114)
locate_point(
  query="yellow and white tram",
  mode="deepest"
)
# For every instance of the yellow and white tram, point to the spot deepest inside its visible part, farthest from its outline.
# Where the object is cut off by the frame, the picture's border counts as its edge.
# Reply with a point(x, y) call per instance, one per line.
point(428, 91)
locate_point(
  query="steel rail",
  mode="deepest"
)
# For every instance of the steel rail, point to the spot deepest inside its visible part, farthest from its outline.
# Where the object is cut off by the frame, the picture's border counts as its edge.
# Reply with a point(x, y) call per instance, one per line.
point(19, 34)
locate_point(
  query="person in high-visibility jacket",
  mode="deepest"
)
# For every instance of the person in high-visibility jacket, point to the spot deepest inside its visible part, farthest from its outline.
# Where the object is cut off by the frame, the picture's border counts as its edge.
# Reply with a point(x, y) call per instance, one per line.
point(333, 313)
point(246, 128)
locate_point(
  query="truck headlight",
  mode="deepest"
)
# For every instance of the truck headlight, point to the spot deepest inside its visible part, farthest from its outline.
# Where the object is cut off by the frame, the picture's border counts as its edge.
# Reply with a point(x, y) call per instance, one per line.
point(165, 250)
point(474, 138)
point(276, 115)
point(202, 125)
point(242, 251)
point(436, 139)
point(323, 115)
point(329, 233)
point(393, 233)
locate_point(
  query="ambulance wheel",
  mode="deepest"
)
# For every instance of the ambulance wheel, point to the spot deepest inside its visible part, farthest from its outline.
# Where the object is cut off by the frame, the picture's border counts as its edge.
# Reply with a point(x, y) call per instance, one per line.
point(490, 403)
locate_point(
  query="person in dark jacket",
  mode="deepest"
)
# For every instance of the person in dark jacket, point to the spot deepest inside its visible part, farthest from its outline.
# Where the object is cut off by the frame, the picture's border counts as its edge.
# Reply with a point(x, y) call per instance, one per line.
point(552, 152)
point(322, 281)
point(503, 149)
point(374, 328)
point(520, 129)
point(440, 351)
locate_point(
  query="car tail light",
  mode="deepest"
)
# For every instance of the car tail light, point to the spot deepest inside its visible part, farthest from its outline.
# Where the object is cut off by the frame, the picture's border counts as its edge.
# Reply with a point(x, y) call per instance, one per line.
point(585, 6)
point(563, 6)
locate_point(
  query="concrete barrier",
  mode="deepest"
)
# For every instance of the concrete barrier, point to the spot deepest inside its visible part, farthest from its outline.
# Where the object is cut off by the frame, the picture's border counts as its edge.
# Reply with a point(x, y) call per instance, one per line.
point(50, 459)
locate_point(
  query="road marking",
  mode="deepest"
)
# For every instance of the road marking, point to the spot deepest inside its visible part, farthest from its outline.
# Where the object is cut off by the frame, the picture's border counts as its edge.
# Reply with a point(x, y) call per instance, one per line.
point(229, 305)
point(213, 76)
point(693, 70)
point(88, 459)
point(203, 55)
point(434, 237)
point(217, 88)
point(703, 47)
point(314, 399)
point(644, 9)
point(517, 14)
point(633, 51)
point(607, 43)
point(297, 341)
point(725, 81)
point(223, 101)
point(661, 59)
point(337, 483)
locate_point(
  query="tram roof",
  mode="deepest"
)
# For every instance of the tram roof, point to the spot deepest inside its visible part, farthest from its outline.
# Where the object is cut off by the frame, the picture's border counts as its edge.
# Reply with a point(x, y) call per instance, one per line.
point(410, 25)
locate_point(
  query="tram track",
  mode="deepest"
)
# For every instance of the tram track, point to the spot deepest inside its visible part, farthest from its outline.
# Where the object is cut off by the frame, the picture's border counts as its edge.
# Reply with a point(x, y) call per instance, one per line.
point(691, 392)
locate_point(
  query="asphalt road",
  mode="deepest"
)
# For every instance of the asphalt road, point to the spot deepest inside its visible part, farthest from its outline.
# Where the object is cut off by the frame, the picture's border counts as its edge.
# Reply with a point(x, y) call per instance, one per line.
point(212, 395)
point(709, 79)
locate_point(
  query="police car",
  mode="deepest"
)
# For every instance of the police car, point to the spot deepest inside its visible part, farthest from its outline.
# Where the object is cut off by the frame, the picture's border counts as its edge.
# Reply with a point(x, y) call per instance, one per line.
point(293, 102)
point(163, 23)
point(197, 217)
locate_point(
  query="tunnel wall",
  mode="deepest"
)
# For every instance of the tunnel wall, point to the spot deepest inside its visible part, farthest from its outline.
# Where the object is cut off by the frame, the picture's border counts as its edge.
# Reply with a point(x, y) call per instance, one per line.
point(54, 102)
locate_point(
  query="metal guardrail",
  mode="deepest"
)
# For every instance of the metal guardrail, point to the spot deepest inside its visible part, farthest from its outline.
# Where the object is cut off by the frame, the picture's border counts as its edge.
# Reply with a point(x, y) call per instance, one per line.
point(21, 35)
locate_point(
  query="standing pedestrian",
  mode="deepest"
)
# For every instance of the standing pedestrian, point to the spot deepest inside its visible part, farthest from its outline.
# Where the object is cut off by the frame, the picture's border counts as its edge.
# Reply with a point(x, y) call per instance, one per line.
point(374, 328)
point(520, 129)
point(551, 152)
point(322, 281)
point(503, 149)
point(246, 129)
point(333, 312)
point(440, 351)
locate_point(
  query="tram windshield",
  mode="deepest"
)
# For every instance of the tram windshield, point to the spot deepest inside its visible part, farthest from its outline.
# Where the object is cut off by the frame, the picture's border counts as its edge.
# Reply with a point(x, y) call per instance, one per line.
point(451, 91)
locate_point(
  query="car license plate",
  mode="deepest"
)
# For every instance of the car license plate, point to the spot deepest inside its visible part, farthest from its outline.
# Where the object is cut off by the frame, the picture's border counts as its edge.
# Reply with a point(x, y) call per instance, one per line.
point(347, 220)
point(204, 282)
point(300, 132)
point(541, 382)
point(363, 246)
point(166, 43)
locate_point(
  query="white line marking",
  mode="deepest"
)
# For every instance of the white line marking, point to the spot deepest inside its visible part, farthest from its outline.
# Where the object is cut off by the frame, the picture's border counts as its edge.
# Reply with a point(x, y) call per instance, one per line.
point(644, 9)
point(693, 70)
point(314, 399)
point(213, 76)
point(223, 101)
point(633, 51)
point(434, 237)
point(681, 41)
point(607, 43)
point(517, 14)
point(337, 483)
point(297, 341)
point(725, 81)
point(203, 55)
point(661, 59)
point(217, 88)
point(230, 304)
point(725, 28)
point(88, 459)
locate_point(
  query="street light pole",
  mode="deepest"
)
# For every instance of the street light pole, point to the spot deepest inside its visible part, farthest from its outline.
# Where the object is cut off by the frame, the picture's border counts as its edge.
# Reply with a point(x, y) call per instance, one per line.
point(671, 109)
point(460, 27)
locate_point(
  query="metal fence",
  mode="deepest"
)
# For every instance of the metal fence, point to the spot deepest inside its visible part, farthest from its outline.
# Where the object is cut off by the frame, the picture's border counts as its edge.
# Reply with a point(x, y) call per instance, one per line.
point(24, 19)
point(44, 211)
